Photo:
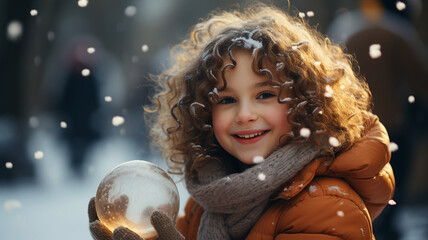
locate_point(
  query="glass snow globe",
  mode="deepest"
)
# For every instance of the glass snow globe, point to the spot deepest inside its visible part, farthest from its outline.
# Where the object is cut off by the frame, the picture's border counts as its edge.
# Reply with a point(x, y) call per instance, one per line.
point(128, 195)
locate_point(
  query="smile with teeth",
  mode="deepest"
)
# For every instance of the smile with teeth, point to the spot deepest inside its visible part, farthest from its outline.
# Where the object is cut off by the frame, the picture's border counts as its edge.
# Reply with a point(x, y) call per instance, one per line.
point(251, 135)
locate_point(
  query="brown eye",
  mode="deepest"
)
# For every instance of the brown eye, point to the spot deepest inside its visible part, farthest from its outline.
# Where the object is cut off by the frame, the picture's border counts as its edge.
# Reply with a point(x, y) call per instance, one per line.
point(226, 100)
point(266, 95)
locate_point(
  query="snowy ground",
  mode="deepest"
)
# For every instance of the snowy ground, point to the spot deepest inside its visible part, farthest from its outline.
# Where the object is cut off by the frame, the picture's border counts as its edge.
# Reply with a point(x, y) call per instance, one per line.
point(55, 205)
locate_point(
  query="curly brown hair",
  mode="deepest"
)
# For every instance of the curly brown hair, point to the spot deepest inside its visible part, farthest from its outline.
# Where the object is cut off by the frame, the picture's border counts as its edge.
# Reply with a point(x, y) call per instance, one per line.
point(315, 78)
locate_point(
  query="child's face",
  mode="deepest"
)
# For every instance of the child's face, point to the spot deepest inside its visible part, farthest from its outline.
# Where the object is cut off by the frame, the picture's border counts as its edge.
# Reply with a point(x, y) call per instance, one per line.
point(248, 121)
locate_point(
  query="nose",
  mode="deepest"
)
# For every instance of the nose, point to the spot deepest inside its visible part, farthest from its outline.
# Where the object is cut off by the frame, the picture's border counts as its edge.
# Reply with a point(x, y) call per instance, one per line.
point(246, 113)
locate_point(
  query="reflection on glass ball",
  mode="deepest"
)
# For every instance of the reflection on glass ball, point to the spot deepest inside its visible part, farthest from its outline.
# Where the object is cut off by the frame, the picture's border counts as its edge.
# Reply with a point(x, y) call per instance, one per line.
point(129, 194)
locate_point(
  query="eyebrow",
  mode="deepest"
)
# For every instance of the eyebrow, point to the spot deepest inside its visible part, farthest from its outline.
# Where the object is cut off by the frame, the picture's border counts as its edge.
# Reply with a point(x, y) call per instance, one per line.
point(259, 84)
point(263, 84)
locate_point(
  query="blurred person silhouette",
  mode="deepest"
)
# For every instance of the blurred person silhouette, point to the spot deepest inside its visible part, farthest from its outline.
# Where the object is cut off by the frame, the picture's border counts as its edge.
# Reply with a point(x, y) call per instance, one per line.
point(80, 100)
point(394, 62)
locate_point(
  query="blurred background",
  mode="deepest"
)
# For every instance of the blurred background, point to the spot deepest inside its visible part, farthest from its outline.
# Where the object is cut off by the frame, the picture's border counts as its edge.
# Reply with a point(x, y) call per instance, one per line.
point(74, 78)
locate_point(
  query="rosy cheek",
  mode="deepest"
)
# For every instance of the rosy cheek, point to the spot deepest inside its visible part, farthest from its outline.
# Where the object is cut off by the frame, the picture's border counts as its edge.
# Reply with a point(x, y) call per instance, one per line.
point(218, 125)
point(280, 119)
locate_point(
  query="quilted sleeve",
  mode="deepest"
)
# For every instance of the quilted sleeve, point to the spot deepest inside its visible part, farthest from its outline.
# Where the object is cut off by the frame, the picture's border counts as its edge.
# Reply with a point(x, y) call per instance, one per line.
point(327, 209)
point(366, 167)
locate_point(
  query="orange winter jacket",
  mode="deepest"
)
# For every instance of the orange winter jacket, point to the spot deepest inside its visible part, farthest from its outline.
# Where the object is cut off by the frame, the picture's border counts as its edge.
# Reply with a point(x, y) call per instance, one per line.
point(324, 201)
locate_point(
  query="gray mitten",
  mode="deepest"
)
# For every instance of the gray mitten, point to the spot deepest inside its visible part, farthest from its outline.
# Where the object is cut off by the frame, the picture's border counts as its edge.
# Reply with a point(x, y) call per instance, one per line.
point(159, 220)
point(164, 226)
point(100, 232)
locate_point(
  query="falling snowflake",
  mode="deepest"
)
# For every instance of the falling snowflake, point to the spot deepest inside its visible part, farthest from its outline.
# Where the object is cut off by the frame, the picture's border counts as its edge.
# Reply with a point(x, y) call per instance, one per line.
point(9, 165)
point(86, 72)
point(328, 91)
point(340, 213)
point(145, 48)
point(90, 50)
point(392, 202)
point(33, 12)
point(63, 124)
point(39, 155)
point(310, 13)
point(130, 11)
point(82, 3)
point(14, 30)
point(317, 63)
point(107, 99)
point(258, 159)
point(374, 51)
point(333, 142)
point(392, 147)
point(302, 14)
point(117, 120)
point(400, 5)
point(12, 205)
point(342, 86)
point(411, 99)
point(261, 176)
point(305, 132)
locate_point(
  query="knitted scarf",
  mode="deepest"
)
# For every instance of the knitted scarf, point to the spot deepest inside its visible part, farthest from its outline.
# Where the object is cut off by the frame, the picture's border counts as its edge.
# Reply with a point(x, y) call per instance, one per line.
point(234, 202)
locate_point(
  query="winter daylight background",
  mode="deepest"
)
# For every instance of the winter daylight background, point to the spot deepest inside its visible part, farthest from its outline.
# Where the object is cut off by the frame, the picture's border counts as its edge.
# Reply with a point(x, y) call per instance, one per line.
point(73, 81)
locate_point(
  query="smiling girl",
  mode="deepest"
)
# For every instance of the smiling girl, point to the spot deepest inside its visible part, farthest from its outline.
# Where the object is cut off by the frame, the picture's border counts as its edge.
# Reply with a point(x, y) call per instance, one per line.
point(272, 131)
